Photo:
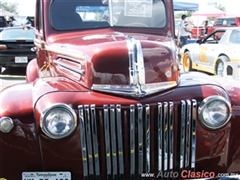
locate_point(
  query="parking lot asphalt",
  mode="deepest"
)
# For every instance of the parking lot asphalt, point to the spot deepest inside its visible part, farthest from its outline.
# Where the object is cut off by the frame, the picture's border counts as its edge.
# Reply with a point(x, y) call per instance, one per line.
point(12, 76)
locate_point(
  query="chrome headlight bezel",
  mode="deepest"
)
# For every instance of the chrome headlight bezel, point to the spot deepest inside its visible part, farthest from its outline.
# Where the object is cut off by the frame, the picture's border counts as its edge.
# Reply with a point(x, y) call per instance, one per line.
point(204, 105)
point(59, 107)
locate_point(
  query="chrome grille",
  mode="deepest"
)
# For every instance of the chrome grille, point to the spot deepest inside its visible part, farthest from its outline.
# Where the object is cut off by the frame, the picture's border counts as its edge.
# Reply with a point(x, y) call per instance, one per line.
point(126, 141)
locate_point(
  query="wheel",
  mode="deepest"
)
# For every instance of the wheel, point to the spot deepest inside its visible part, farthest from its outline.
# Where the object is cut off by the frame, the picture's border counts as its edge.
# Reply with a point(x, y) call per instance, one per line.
point(219, 67)
point(187, 62)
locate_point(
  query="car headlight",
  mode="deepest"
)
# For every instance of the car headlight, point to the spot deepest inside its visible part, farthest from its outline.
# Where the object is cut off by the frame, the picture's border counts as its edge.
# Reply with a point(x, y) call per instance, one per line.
point(58, 121)
point(214, 112)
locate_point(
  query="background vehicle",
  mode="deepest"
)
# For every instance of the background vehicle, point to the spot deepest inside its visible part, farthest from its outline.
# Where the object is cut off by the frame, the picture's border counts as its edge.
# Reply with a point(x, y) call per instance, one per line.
point(104, 99)
point(196, 29)
point(227, 22)
point(15, 46)
point(211, 54)
point(3, 22)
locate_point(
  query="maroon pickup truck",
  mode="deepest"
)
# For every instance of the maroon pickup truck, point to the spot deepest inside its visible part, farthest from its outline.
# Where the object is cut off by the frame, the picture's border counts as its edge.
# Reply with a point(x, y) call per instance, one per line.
point(105, 99)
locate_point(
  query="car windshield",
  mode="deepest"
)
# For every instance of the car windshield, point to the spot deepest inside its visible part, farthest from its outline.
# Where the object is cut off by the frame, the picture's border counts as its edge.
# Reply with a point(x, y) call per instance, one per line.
point(17, 34)
point(94, 14)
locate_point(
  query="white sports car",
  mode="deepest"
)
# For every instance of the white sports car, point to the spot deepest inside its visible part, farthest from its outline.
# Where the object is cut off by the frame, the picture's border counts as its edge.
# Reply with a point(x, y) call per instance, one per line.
point(218, 53)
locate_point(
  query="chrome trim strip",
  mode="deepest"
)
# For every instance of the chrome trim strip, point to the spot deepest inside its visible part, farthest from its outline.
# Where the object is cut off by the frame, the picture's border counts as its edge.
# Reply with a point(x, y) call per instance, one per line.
point(69, 67)
point(147, 137)
point(130, 90)
point(83, 141)
point(160, 138)
point(136, 62)
point(107, 139)
point(89, 139)
point(188, 134)
point(194, 119)
point(140, 138)
point(132, 139)
point(119, 139)
point(113, 139)
point(95, 140)
point(165, 135)
point(136, 66)
point(182, 134)
point(171, 134)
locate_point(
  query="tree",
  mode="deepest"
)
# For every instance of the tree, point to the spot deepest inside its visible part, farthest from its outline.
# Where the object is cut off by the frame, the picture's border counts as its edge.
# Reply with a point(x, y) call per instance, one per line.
point(11, 7)
point(221, 7)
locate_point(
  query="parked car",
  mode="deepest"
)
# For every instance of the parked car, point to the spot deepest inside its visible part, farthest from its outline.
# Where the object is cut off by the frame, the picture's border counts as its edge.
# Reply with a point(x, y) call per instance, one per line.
point(3, 22)
point(15, 46)
point(197, 28)
point(212, 53)
point(226, 22)
point(104, 99)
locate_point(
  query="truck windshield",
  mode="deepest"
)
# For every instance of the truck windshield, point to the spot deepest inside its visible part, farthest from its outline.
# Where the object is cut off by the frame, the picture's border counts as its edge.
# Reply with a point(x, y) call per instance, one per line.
point(94, 14)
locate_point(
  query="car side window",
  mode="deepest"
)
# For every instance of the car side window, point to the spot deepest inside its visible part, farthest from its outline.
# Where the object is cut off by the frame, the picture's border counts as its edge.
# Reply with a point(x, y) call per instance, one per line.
point(214, 38)
point(235, 37)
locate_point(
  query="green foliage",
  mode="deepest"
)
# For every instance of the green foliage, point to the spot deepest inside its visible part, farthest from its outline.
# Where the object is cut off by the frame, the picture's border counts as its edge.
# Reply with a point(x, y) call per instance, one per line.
point(11, 7)
point(221, 7)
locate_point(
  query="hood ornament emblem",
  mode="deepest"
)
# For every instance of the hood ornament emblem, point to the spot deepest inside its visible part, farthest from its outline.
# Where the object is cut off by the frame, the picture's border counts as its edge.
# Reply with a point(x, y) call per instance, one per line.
point(136, 66)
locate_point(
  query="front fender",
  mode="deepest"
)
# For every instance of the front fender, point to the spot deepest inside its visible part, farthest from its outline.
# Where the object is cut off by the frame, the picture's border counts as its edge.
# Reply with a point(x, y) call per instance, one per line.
point(16, 100)
point(32, 71)
point(233, 89)
point(20, 145)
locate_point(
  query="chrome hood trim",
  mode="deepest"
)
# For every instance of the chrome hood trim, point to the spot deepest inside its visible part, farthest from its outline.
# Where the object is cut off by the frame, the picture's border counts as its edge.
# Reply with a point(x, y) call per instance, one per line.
point(137, 86)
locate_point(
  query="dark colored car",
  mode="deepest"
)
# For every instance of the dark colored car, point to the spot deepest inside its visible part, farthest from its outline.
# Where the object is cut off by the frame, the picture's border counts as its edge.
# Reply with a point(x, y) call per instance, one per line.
point(3, 22)
point(15, 46)
point(104, 99)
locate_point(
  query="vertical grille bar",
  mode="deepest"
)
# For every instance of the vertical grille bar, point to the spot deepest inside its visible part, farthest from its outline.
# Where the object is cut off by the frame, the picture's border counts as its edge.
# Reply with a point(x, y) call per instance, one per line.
point(83, 141)
point(147, 126)
point(194, 118)
point(160, 138)
point(95, 140)
point(89, 139)
point(132, 139)
point(165, 136)
point(140, 138)
point(171, 135)
point(137, 151)
point(182, 134)
point(188, 134)
point(107, 139)
point(113, 139)
point(119, 139)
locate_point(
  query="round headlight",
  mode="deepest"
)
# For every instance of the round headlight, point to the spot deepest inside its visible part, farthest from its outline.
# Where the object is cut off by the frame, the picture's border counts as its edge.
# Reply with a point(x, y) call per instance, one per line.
point(214, 112)
point(58, 121)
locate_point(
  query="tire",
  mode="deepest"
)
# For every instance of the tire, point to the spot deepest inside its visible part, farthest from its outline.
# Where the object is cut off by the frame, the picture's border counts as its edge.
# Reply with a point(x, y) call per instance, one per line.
point(219, 67)
point(187, 62)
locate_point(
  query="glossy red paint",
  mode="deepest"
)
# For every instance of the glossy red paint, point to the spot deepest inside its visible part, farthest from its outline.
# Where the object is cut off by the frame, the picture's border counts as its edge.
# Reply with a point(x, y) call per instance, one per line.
point(32, 71)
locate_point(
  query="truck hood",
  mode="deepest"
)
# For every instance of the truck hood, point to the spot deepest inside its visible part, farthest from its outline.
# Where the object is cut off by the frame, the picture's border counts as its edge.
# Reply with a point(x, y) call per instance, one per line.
point(117, 62)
